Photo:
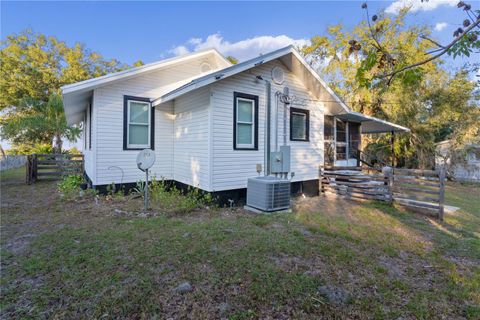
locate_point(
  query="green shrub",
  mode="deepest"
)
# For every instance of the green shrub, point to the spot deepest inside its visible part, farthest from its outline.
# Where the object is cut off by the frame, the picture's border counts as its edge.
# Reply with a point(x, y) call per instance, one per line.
point(139, 188)
point(172, 200)
point(40, 148)
point(70, 185)
point(114, 193)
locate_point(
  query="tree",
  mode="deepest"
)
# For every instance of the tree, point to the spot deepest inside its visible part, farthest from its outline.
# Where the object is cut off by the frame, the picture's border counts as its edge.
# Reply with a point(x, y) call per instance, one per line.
point(35, 121)
point(429, 101)
point(232, 60)
point(33, 67)
point(390, 62)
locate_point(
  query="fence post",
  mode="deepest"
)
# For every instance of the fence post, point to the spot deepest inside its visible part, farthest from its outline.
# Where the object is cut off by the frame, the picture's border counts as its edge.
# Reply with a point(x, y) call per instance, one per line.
point(388, 176)
point(441, 197)
point(28, 170)
point(34, 167)
point(320, 187)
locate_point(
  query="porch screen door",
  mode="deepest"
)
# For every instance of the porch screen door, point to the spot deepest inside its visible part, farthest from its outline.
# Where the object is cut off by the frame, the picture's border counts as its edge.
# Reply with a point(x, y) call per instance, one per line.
point(329, 140)
point(341, 135)
point(354, 139)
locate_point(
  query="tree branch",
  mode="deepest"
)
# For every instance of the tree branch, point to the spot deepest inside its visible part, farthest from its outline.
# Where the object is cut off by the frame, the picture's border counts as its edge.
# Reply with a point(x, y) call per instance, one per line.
point(473, 20)
point(432, 41)
point(438, 55)
point(380, 48)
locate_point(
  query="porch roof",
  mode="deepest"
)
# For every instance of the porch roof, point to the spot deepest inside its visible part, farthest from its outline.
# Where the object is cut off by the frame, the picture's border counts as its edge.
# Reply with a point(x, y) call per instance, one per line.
point(371, 124)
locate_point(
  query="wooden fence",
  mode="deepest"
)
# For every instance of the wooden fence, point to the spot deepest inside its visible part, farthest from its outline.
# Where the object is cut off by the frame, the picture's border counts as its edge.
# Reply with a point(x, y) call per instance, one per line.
point(356, 184)
point(52, 166)
point(418, 189)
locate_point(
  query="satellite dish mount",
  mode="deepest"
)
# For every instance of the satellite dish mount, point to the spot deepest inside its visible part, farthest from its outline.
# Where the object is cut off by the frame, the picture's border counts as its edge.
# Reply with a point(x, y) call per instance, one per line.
point(145, 160)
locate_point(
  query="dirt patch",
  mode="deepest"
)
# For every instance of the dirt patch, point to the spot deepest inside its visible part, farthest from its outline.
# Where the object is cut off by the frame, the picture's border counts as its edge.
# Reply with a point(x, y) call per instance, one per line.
point(19, 244)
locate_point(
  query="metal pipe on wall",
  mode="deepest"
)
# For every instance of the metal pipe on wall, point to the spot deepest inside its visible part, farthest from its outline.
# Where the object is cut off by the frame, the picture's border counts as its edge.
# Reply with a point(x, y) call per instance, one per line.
point(277, 98)
point(268, 111)
point(286, 102)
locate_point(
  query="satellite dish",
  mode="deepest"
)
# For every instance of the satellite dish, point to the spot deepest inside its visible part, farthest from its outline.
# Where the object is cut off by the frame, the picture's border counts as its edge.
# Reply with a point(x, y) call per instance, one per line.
point(278, 75)
point(145, 159)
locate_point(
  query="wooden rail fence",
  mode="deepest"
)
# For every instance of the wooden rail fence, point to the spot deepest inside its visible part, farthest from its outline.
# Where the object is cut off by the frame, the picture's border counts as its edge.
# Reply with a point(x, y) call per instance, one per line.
point(418, 189)
point(52, 166)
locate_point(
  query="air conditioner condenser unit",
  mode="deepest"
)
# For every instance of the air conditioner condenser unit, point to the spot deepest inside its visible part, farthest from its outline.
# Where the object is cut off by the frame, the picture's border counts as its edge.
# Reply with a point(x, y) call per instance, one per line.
point(268, 193)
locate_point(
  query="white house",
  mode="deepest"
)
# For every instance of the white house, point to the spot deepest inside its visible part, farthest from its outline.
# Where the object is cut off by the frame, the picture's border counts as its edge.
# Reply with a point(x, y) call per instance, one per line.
point(461, 164)
point(206, 120)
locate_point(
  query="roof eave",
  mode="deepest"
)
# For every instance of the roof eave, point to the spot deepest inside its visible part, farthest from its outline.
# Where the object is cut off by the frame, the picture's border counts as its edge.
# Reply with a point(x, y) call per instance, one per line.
point(91, 84)
point(223, 73)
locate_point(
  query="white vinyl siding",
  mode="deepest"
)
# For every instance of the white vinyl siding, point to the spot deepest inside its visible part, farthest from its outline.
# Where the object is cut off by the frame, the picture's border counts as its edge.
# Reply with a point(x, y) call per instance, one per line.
point(194, 133)
point(112, 162)
point(191, 154)
point(88, 154)
point(232, 168)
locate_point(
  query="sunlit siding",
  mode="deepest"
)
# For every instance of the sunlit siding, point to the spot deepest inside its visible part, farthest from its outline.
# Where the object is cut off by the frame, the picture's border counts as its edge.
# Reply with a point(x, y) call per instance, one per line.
point(111, 160)
point(194, 133)
point(88, 154)
point(231, 168)
point(191, 139)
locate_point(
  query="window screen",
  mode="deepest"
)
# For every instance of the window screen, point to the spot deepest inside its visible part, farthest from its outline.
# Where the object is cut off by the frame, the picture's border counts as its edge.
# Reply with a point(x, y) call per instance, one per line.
point(299, 124)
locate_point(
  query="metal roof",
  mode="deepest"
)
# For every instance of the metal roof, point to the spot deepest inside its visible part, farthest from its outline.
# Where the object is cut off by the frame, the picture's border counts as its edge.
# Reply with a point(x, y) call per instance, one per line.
point(371, 124)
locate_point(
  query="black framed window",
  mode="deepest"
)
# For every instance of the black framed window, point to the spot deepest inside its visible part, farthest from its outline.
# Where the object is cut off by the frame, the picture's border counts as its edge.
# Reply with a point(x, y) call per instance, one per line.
point(299, 124)
point(245, 121)
point(138, 123)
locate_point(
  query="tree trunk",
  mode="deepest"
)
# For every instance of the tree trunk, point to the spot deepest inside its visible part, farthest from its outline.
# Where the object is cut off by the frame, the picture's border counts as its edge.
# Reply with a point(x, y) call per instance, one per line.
point(58, 143)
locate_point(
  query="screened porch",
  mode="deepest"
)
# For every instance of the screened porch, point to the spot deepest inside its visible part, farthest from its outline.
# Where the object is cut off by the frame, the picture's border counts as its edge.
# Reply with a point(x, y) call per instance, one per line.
point(343, 136)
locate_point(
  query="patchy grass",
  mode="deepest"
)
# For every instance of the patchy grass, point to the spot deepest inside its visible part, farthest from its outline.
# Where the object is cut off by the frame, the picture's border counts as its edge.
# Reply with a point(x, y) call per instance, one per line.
point(79, 259)
point(13, 175)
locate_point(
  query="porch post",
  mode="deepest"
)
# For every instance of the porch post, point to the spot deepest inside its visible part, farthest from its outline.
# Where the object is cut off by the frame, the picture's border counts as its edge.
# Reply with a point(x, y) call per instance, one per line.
point(392, 141)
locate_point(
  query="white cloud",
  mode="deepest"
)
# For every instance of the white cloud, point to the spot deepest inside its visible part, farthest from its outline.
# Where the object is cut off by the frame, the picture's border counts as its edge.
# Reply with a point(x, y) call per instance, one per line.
point(417, 5)
point(195, 41)
point(178, 51)
point(241, 50)
point(439, 26)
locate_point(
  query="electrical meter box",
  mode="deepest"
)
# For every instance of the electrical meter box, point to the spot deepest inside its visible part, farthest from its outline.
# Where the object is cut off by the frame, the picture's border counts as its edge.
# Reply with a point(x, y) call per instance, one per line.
point(280, 160)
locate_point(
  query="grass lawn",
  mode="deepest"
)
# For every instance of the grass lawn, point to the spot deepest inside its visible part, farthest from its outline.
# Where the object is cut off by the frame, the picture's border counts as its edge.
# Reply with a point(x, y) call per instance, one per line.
point(328, 259)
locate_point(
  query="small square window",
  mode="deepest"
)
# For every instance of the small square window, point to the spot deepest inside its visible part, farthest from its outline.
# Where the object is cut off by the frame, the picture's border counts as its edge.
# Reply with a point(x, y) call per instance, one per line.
point(299, 124)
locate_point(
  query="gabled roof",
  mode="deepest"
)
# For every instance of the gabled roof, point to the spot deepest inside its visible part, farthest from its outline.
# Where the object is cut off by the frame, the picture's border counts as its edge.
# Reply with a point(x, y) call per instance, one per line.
point(235, 69)
point(122, 75)
point(371, 124)
point(77, 95)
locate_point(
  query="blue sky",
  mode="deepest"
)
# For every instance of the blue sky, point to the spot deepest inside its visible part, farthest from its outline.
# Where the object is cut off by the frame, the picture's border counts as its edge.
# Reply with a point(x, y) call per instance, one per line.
point(150, 31)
